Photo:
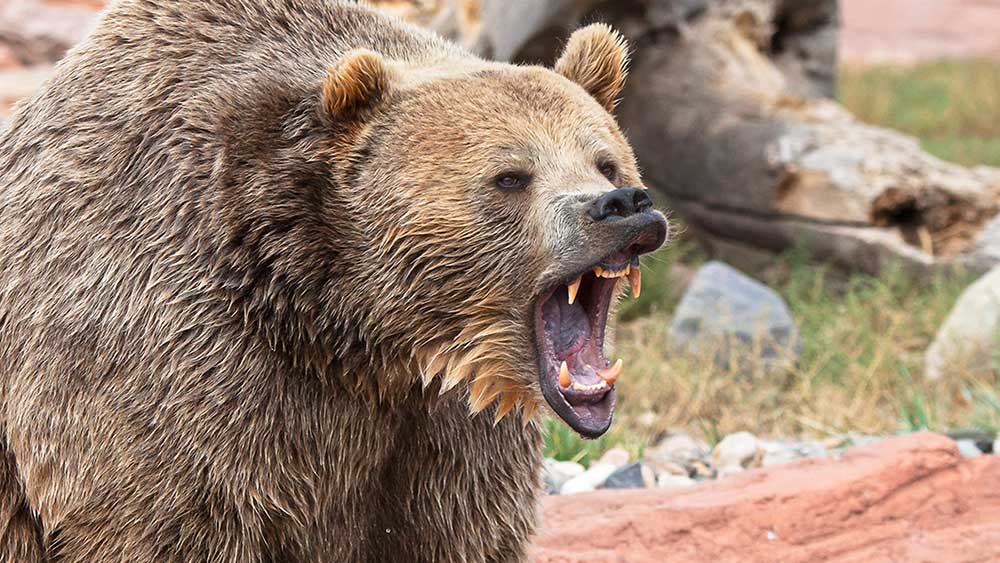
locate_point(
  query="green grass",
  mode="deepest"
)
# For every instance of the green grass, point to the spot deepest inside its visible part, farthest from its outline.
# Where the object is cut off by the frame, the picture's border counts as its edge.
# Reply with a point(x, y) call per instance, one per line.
point(952, 106)
point(860, 368)
point(862, 337)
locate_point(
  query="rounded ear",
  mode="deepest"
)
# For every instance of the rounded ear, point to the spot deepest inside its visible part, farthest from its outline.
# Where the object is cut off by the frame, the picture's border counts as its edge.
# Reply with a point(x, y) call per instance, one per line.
point(596, 58)
point(357, 82)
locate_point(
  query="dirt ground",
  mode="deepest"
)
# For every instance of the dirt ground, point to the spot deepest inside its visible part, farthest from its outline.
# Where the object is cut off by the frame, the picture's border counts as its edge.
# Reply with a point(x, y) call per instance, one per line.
point(908, 31)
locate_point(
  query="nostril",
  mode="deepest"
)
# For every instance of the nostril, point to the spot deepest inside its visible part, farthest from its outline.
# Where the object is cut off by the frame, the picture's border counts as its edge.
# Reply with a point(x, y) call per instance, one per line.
point(642, 202)
point(620, 203)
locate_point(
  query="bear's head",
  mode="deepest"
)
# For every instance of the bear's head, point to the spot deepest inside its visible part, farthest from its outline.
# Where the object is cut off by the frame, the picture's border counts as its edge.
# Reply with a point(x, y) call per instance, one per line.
point(480, 223)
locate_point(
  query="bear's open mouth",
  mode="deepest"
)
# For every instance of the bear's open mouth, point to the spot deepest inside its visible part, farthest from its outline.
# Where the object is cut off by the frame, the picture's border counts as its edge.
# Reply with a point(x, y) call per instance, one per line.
point(577, 380)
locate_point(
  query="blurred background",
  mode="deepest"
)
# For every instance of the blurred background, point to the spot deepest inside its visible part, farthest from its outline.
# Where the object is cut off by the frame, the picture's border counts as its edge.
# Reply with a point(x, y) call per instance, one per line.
point(829, 167)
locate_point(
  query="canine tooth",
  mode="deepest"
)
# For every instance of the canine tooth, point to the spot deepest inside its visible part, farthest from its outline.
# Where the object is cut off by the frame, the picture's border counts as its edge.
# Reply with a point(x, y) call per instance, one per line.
point(611, 374)
point(573, 289)
point(564, 377)
point(635, 278)
point(599, 271)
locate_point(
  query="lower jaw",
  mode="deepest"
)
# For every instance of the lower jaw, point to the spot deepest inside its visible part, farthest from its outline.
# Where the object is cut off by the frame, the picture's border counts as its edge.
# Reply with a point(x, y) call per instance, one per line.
point(590, 417)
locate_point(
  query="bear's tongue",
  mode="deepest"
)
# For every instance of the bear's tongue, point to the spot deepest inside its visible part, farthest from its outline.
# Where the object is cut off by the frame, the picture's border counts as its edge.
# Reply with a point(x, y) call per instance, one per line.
point(576, 347)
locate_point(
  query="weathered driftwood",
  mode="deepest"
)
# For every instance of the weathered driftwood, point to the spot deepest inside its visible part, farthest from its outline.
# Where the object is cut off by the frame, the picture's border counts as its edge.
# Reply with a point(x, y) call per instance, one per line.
point(728, 108)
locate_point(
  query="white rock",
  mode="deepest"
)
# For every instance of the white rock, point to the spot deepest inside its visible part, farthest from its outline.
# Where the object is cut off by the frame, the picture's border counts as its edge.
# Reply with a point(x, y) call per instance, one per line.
point(996, 446)
point(557, 473)
point(968, 338)
point(617, 457)
point(968, 448)
point(668, 481)
point(741, 449)
point(590, 480)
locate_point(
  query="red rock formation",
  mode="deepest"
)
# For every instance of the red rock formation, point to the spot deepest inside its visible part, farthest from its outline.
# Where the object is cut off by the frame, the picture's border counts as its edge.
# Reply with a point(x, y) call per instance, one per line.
point(910, 499)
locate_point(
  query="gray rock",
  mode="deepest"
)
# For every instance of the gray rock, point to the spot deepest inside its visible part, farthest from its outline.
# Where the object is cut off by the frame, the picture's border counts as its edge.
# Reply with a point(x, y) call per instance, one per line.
point(632, 476)
point(557, 473)
point(725, 312)
point(967, 341)
point(739, 450)
point(968, 448)
point(590, 480)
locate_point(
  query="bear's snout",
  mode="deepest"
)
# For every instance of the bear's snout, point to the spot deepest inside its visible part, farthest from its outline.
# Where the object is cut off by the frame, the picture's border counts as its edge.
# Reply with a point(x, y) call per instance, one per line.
point(625, 218)
point(619, 204)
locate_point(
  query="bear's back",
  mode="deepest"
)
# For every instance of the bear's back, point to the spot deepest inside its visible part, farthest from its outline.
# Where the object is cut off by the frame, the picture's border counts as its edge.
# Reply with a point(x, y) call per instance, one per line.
point(113, 175)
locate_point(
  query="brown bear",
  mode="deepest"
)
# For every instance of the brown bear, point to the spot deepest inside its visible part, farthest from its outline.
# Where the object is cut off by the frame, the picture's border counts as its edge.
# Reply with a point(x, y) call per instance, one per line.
point(288, 281)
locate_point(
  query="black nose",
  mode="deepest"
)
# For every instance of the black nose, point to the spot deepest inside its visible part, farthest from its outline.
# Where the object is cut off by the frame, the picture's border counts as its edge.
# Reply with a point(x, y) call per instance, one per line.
point(620, 203)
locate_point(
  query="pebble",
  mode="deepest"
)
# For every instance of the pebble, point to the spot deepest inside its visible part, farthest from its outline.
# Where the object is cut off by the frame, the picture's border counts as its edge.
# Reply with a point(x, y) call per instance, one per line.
point(664, 466)
point(632, 476)
point(590, 480)
point(776, 453)
point(679, 448)
point(968, 448)
point(741, 449)
point(618, 457)
point(557, 473)
point(668, 481)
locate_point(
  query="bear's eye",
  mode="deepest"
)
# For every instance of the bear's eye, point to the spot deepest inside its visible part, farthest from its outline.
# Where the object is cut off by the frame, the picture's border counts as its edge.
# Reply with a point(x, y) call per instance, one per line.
point(609, 170)
point(512, 181)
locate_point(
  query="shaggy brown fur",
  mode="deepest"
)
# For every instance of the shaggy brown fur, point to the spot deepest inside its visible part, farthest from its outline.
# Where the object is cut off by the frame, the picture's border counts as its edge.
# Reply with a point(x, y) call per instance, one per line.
point(254, 270)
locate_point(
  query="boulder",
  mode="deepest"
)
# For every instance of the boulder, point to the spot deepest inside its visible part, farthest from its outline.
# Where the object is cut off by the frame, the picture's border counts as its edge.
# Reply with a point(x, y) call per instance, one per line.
point(969, 336)
point(725, 312)
point(912, 498)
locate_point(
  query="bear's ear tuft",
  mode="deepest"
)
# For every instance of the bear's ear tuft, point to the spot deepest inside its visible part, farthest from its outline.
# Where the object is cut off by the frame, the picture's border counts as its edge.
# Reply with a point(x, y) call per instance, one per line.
point(596, 58)
point(357, 82)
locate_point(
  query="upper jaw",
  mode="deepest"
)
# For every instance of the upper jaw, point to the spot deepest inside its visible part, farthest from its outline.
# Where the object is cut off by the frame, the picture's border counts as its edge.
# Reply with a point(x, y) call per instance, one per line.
point(570, 316)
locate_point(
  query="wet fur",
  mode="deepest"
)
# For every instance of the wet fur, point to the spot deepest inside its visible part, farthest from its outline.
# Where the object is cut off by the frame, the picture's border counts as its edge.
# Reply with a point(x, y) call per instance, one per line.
point(210, 348)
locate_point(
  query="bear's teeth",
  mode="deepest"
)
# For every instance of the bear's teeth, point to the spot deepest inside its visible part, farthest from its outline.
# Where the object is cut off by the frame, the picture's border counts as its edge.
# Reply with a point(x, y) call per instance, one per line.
point(573, 289)
point(612, 374)
point(635, 278)
point(594, 387)
point(602, 273)
point(564, 377)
